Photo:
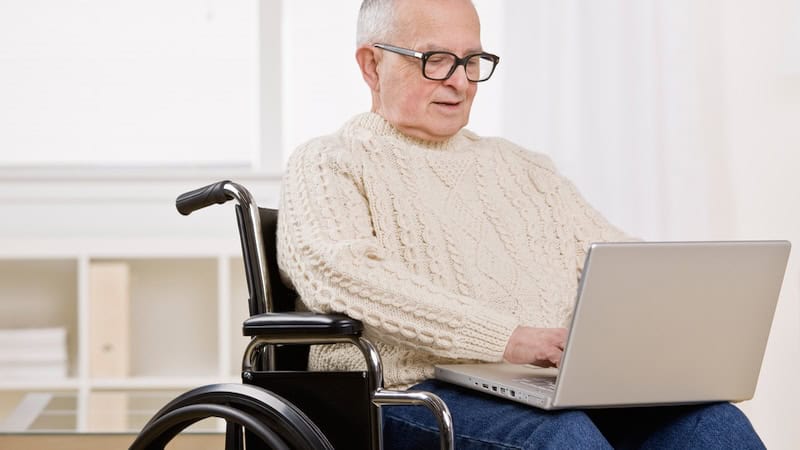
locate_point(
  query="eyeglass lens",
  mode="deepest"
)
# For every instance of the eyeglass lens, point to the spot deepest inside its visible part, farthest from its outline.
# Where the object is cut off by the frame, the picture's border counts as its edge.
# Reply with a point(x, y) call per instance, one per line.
point(439, 65)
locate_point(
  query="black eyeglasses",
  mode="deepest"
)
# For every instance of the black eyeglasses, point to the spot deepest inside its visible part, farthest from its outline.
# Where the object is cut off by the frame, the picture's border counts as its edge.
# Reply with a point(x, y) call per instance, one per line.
point(439, 65)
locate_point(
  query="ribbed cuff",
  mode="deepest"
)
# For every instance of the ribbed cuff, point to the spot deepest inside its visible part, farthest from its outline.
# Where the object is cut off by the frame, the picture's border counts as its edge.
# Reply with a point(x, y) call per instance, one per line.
point(487, 337)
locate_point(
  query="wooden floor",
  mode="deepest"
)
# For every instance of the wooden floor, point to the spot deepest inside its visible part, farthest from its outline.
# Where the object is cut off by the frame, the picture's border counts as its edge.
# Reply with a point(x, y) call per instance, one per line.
point(88, 441)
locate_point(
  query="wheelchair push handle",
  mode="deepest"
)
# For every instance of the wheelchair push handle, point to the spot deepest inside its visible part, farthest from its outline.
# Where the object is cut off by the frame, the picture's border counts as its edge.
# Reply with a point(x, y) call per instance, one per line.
point(191, 201)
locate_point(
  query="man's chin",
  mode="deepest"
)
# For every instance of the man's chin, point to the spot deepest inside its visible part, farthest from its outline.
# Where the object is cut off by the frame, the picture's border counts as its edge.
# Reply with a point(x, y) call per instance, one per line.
point(446, 132)
point(435, 128)
point(448, 126)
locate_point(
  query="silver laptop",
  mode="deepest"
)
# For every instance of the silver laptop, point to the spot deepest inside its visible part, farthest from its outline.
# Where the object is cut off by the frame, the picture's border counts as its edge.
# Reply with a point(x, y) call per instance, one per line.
point(654, 323)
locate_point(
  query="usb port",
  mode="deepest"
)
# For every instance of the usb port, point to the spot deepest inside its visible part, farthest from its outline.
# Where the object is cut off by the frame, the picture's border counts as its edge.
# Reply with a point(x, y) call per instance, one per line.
point(485, 386)
point(513, 394)
point(502, 390)
point(494, 388)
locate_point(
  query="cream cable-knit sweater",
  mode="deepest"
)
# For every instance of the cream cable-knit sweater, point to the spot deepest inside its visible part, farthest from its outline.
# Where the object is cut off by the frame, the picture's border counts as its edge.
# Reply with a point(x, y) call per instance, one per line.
point(441, 249)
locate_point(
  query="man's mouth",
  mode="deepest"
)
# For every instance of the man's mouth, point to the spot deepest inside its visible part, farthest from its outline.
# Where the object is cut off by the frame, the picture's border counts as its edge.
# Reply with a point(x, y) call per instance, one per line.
point(448, 103)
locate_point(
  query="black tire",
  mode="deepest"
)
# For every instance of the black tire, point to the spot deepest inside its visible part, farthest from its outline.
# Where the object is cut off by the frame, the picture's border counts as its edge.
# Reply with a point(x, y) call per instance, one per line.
point(274, 420)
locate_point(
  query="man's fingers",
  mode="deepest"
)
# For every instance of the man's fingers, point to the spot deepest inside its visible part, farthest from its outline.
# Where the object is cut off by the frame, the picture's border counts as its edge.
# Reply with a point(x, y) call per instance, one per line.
point(541, 346)
point(550, 357)
point(555, 357)
point(559, 338)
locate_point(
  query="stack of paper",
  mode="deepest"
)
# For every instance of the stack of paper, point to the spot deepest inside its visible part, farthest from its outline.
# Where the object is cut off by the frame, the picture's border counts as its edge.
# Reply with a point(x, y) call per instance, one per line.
point(33, 353)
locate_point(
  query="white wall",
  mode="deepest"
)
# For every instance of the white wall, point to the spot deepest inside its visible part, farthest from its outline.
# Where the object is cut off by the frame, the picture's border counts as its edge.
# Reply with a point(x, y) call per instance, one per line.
point(322, 86)
point(149, 83)
point(110, 111)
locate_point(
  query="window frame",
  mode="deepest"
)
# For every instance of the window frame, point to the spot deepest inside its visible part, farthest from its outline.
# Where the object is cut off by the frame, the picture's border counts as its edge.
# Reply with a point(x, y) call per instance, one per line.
point(265, 163)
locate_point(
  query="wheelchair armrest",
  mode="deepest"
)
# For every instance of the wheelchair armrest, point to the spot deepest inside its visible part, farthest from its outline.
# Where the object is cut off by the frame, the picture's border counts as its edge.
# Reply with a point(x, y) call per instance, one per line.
point(308, 324)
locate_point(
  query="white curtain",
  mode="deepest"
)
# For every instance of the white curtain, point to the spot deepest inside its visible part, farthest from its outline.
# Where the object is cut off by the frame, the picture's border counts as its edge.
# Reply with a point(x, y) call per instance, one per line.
point(679, 120)
point(621, 94)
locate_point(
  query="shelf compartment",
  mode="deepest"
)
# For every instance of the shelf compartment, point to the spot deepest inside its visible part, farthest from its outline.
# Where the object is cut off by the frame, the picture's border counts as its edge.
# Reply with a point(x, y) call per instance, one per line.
point(173, 307)
point(42, 293)
point(40, 411)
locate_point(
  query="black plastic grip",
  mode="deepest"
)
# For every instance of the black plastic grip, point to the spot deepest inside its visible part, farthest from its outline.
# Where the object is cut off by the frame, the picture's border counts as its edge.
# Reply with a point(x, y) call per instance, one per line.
point(191, 201)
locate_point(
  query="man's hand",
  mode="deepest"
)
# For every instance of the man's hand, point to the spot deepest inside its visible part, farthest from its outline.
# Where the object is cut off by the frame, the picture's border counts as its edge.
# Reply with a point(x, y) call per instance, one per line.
point(539, 346)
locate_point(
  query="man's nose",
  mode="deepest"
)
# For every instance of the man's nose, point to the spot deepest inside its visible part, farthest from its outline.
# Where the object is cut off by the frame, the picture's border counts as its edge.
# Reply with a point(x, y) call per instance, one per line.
point(458, 79)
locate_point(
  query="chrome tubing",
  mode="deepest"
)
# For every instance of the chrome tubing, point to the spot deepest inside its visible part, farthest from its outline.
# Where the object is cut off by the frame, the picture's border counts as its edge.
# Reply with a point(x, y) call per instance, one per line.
point(256, 253)
point(432, 401)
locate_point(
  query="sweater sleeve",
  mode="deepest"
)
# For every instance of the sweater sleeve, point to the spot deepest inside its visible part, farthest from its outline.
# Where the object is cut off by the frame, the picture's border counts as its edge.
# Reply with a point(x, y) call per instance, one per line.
point(328, 250)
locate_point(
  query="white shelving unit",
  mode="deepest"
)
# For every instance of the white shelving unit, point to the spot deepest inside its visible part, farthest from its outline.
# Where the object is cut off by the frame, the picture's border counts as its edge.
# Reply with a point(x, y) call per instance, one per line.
point(187, 300)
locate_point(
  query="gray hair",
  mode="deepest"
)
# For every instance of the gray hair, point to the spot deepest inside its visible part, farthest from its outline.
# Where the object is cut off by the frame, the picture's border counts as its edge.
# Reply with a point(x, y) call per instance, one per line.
point(375, 21)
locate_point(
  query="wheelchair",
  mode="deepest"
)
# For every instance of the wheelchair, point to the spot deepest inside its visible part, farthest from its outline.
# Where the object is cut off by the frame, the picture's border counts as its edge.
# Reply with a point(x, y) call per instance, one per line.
point(280, 404)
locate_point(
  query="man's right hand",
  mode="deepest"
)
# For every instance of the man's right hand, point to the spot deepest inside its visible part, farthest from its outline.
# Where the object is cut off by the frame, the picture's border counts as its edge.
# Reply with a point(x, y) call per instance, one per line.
point(539, 346)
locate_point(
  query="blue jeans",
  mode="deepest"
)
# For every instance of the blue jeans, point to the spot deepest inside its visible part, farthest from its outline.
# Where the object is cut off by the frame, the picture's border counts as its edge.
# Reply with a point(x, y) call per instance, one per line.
point(482, 421)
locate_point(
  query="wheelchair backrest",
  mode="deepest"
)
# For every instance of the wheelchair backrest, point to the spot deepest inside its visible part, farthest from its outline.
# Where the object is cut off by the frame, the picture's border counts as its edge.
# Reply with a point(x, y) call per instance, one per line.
point(282, 298)
point(279, 297)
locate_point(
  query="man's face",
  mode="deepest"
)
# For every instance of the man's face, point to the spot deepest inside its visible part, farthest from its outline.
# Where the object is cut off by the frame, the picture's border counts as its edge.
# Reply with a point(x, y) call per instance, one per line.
point(418, 107)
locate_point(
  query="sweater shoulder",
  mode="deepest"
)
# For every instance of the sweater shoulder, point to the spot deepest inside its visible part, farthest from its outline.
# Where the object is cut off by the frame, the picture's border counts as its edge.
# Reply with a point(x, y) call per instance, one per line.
point(528, 158)
point(332, 151)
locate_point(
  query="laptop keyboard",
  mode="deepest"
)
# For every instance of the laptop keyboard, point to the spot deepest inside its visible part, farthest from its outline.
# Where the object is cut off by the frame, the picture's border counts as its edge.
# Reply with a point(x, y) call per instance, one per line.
point(539, 382)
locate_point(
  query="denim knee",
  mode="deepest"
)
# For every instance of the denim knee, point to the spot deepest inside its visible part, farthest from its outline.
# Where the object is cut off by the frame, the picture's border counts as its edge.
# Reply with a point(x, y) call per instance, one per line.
point(560, 430)
point(481, 421)
point(709, 426)
point(566, 429)
point(723, 425)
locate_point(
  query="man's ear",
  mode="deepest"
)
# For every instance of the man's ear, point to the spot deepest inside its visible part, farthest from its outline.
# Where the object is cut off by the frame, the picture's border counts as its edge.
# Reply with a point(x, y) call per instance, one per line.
point(368, 62)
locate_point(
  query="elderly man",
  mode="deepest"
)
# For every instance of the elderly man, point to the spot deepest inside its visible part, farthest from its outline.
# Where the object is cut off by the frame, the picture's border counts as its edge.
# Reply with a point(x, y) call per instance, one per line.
point(453, 247)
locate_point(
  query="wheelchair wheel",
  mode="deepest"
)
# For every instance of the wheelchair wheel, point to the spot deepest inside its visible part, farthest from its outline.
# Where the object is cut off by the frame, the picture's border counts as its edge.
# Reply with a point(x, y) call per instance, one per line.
point(274, 421)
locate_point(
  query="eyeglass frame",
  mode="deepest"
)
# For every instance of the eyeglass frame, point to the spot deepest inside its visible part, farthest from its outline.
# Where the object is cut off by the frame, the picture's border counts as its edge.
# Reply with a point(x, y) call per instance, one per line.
point(423, 56)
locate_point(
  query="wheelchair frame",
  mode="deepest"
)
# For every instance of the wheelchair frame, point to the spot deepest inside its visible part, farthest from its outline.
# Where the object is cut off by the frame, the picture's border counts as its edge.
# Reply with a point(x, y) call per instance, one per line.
point(265, 415)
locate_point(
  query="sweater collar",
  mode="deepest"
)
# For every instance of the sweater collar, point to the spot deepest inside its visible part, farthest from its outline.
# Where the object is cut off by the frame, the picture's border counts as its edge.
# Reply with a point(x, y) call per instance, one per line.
point(370, 124)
